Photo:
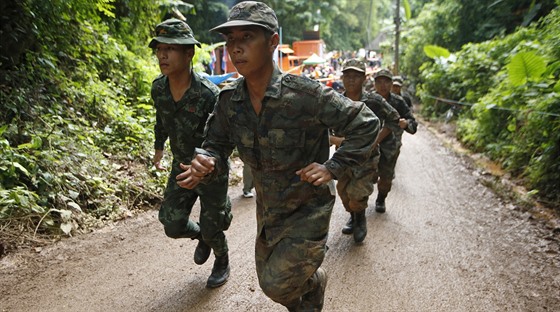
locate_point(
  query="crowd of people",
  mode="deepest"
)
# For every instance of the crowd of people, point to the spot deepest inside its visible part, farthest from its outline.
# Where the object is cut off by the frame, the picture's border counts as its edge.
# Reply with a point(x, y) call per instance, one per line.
point(283, 127)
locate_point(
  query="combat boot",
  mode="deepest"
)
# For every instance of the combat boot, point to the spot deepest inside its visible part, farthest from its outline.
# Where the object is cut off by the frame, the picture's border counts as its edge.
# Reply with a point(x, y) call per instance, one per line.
point(360, 226)
point(202, 251)
point(314, 300)
point(349, 227)
point(220, 272)
point(380, 206)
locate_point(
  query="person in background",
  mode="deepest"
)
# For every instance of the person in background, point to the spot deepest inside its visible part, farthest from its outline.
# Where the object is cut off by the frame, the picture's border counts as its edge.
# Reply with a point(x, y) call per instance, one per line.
point(397, 89)
point(390, 148)
point(337, 86)
point(356, 186)
point(183, 101)
point(280, 125)
point(369, 84)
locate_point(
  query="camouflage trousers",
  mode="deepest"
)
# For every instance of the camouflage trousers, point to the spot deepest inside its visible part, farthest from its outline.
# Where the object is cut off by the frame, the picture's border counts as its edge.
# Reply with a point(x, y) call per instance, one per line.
point(293, 219)
point(387, 163)
point(285, 269)
point(356, 186)
point(215, 211)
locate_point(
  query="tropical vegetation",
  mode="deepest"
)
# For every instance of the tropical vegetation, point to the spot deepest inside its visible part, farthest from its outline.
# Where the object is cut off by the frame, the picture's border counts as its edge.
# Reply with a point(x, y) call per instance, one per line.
point(502, 79)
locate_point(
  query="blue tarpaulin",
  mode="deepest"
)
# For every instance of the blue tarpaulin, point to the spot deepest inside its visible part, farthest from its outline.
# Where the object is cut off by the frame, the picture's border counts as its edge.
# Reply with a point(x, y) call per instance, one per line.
point(217, 79)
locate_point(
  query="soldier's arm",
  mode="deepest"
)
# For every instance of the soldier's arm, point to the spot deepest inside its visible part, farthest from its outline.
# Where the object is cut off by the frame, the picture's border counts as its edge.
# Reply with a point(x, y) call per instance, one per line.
point(406, 114)
point(387, 114)
point(218, 143)
point(353, 120)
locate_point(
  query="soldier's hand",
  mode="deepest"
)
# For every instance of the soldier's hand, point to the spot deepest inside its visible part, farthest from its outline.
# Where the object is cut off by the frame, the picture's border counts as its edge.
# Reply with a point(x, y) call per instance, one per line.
point(158, 155)
point(336, 141)
point(200, 167)
point(315, 174)
point(403, 123)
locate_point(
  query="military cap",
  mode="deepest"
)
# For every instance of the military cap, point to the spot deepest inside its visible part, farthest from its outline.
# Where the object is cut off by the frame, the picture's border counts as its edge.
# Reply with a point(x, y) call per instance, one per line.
point(354, 64)
point(383, 73)
point(173, 31)
point(398, 80)
point(250, 13)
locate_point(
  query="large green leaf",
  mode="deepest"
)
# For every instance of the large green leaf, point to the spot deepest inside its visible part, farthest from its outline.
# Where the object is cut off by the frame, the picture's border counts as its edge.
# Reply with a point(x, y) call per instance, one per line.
point(434, 51)
point(524, 66)
point(407, 11)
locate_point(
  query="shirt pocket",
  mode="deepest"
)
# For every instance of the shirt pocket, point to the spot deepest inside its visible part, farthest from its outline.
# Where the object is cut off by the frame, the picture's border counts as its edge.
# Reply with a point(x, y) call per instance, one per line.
point(193, 120)
point(285, 149)
point(244, 139)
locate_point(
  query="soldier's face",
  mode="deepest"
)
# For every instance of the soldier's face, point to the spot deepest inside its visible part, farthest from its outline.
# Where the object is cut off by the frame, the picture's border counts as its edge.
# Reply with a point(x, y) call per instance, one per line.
point(173, 58)
point(249, 49)
point(383, 86)
point(396, 89)
point(353, 80)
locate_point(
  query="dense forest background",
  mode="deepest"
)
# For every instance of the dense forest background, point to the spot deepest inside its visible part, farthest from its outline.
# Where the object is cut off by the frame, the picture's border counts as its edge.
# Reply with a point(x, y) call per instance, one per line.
point(76, 117)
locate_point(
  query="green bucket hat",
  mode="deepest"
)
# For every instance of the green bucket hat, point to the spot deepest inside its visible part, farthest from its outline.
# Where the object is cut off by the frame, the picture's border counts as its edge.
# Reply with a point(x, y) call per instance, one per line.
point(354, 64)
point(250, 13)
point(383, 73)
point(173, 31)
point(398, 80)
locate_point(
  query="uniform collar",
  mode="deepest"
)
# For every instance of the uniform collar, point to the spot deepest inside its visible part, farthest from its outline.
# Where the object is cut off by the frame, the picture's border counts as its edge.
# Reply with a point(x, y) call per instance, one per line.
point(273, 90)
point(195, 88)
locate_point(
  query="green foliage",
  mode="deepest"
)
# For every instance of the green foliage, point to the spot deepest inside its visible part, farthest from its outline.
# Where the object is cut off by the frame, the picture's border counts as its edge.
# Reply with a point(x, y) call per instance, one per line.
point(202, 55)
point(75, 113)
point(407, 10)
point(454, 23)
point(344, 25)
point(524, 66)
point(435, 52)
point(207, 14)
point(512, 80)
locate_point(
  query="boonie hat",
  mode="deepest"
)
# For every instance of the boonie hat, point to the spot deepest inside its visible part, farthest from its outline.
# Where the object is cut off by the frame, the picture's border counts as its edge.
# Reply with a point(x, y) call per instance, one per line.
point(250, 13)
point(354, 64)
point(398, 80)
point(173, 31)
point(383, 73)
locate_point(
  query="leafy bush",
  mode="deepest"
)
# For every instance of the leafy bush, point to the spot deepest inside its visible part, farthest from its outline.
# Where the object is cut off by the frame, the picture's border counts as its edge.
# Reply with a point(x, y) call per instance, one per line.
point(513, 83)
point(76, 118)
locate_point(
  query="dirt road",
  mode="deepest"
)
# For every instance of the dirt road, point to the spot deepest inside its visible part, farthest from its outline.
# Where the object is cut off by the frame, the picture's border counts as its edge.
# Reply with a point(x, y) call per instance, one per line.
point(446, 243)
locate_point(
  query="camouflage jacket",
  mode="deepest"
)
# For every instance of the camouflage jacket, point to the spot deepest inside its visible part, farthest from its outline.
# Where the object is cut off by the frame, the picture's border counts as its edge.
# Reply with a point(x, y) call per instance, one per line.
point(290, 133)
point(388, 116)
point(383, 110)
point(404, 111)
point(407, 98)
point(183, 121)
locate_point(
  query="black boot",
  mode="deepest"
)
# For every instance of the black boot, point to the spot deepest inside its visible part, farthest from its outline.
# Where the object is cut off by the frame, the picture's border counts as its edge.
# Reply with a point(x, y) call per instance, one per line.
point(380, 206)
point(380, 202)
point(220, 272)
point(349, 227)
point(202, 251)
point(360, 226)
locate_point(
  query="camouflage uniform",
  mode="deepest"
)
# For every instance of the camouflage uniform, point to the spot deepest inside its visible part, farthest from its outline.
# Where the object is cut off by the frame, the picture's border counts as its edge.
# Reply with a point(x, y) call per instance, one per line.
point(290, 133)
point(398, 80)
point(390, 149)
point(369, 85)
point(357, 184)
point(183, 123)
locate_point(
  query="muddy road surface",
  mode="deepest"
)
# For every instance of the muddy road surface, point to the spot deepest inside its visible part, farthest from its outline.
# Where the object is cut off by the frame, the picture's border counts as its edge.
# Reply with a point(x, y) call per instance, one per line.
point(446, 243)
